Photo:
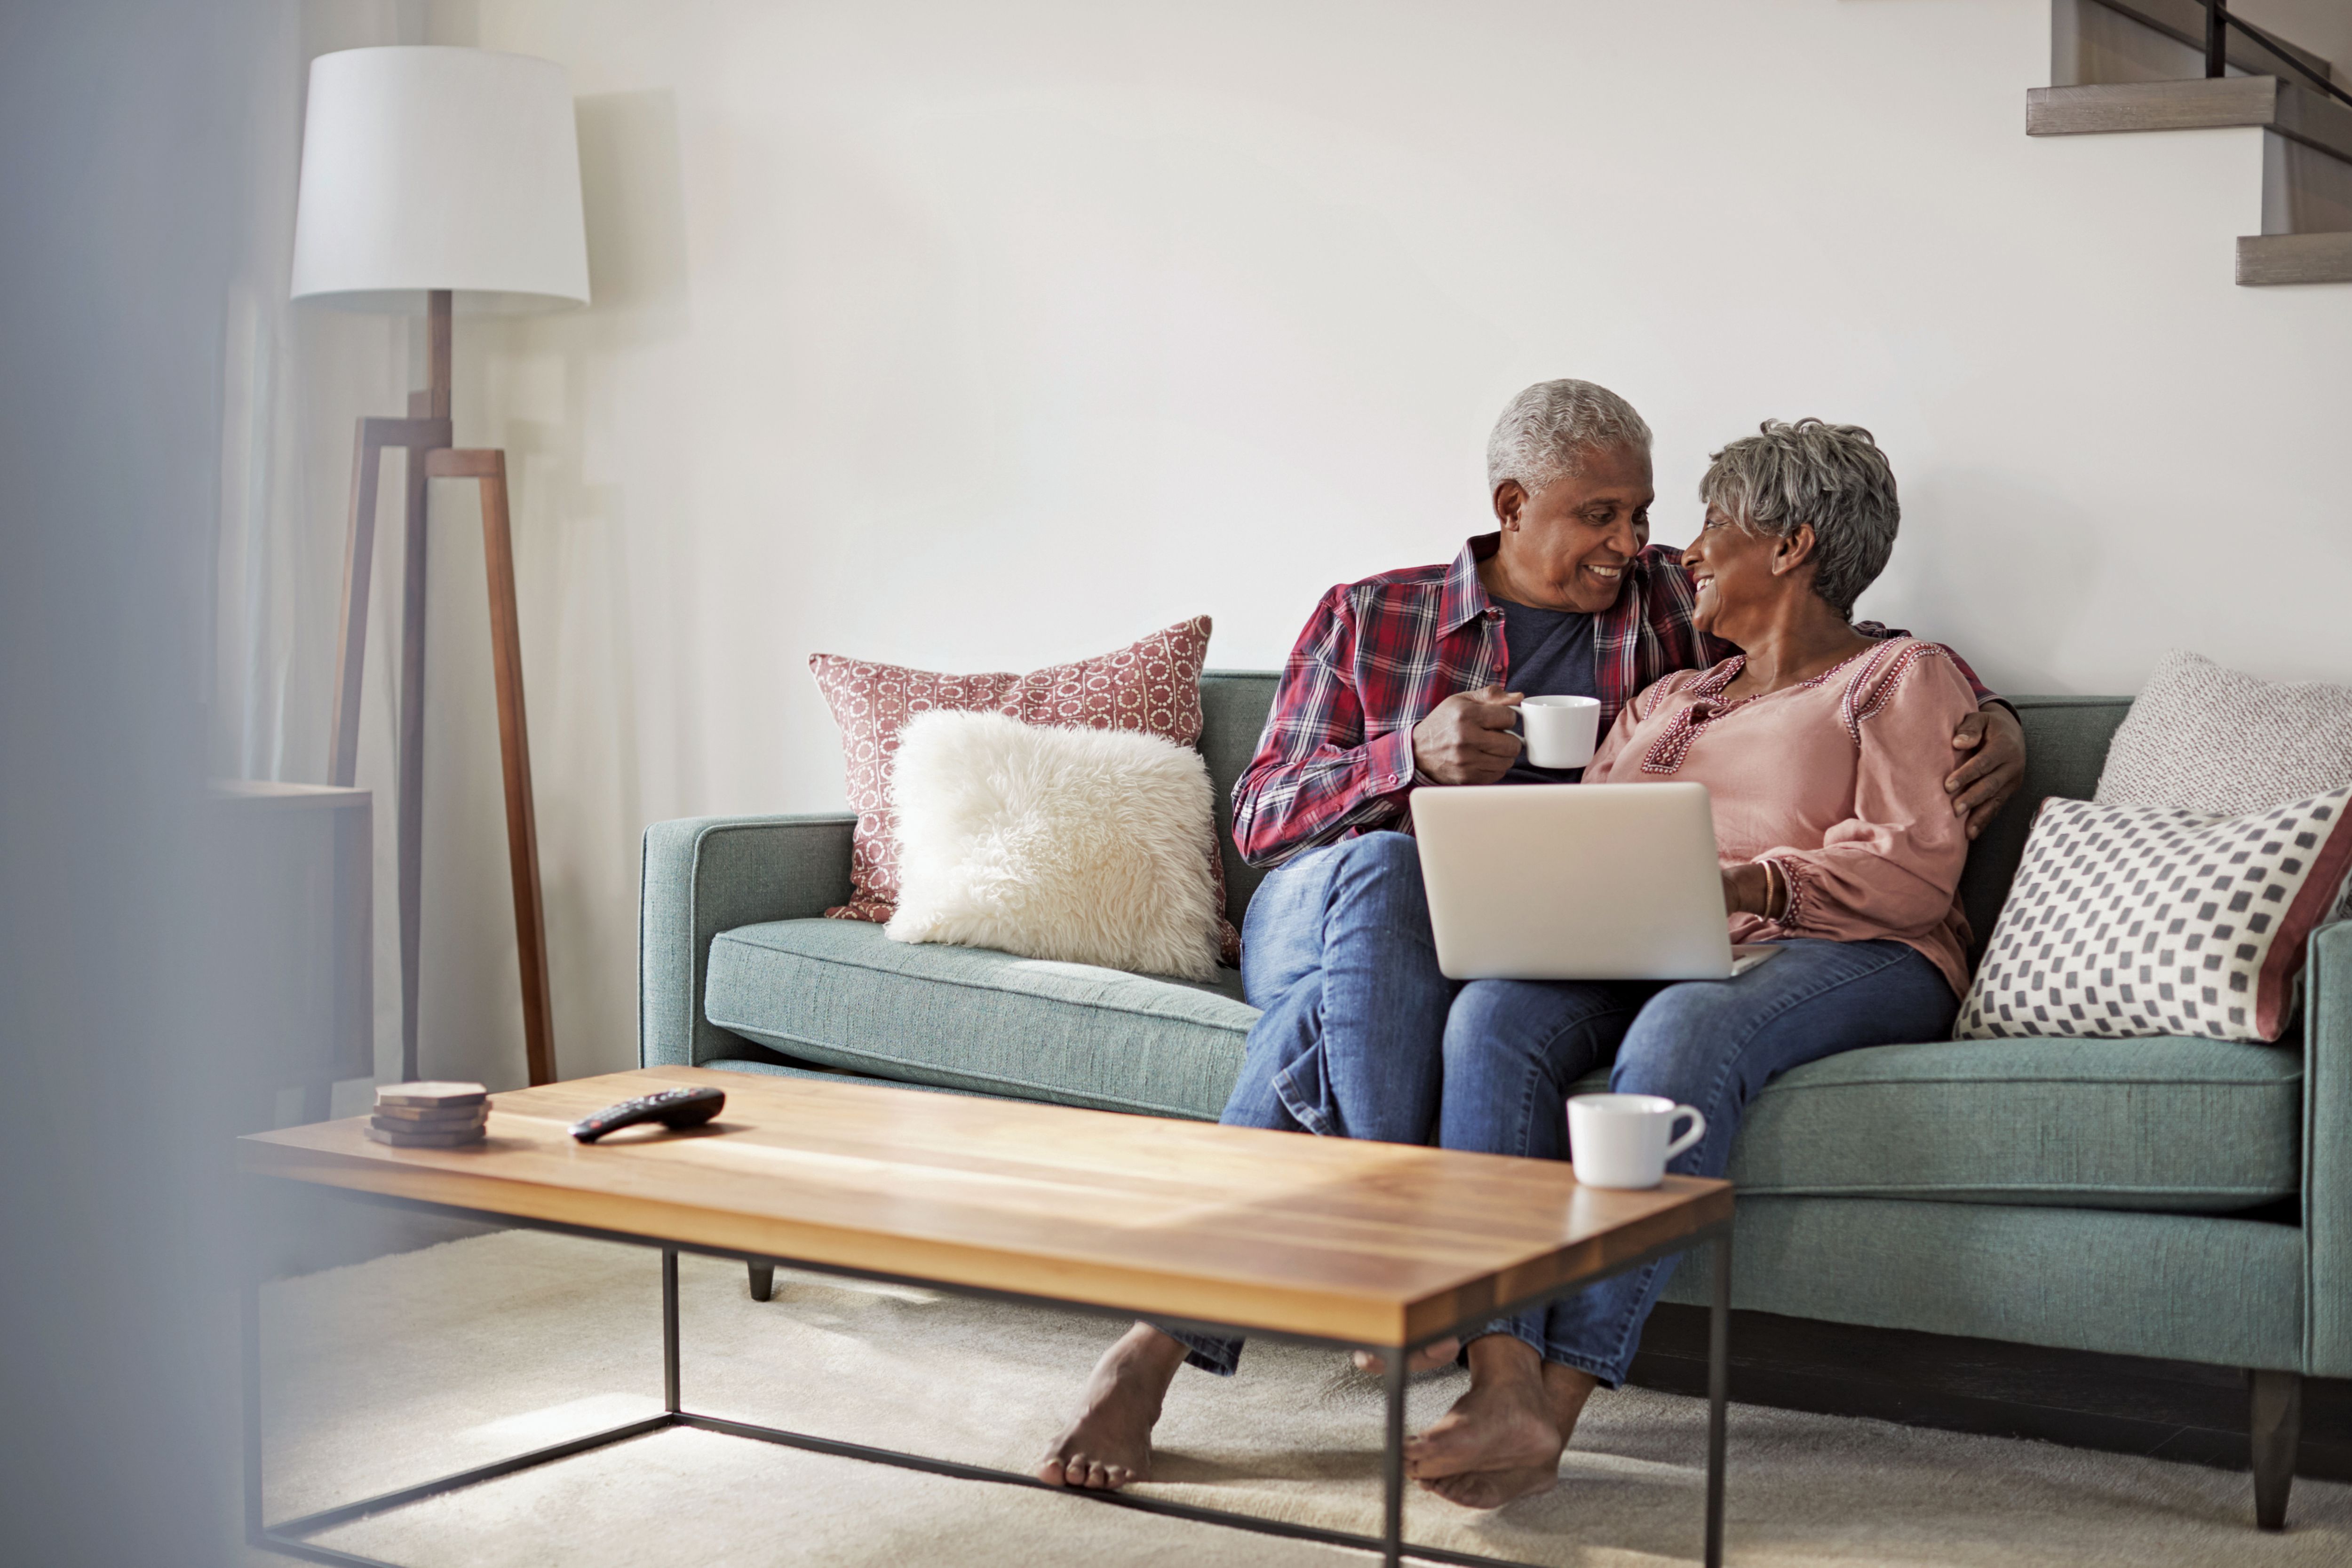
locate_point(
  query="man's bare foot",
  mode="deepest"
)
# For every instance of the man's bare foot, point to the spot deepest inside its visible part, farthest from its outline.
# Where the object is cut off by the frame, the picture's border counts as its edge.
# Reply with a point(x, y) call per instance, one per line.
point(1503, 1438)
point(1428, 1358)
point(1109, 1444)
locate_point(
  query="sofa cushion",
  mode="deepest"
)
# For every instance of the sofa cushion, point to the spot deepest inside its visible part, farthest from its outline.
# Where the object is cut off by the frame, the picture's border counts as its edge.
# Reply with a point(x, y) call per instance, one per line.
point(2169, 1125)
point(2165, 1125)
point(841, 993)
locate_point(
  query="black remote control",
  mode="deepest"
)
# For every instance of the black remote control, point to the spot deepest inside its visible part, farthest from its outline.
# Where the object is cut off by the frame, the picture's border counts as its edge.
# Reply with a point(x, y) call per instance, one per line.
point(673, 1108)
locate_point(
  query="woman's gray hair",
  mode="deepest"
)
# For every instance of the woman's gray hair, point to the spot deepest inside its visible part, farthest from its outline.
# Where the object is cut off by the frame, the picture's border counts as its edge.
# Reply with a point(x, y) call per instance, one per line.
point(1549, 427)
point(1831, 475)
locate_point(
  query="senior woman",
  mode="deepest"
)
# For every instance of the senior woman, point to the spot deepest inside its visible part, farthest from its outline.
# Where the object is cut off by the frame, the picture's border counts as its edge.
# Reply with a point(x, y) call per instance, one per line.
point(1824, 752)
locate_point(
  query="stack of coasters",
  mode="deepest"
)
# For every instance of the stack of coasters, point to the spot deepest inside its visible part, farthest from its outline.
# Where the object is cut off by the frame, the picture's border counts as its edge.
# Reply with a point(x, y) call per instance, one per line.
point(429, 1115)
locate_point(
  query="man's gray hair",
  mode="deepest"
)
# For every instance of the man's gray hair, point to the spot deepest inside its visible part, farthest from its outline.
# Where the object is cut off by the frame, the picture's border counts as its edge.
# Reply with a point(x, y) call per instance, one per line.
point(1549, 427)
point(1831, 475)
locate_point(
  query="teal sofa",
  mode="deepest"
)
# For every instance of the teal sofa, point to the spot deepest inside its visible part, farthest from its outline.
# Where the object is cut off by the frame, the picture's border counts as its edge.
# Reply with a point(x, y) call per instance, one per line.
point(2185, 1199)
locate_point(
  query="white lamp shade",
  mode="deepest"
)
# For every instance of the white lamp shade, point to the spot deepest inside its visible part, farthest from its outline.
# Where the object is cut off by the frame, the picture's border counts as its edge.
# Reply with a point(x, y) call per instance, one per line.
point(439, 168)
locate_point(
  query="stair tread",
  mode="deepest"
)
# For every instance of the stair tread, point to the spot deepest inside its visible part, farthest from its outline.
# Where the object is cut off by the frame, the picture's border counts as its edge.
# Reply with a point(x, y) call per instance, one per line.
point(2204, 103)
point(2266, 260)
point(2200, 104)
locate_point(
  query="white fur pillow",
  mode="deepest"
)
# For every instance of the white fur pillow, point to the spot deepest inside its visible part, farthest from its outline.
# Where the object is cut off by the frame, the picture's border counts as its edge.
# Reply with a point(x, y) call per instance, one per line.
point(1082, 845)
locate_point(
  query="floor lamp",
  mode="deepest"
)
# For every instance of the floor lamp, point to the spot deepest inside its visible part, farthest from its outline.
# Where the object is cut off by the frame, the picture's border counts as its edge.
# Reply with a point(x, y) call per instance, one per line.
point(447, 176)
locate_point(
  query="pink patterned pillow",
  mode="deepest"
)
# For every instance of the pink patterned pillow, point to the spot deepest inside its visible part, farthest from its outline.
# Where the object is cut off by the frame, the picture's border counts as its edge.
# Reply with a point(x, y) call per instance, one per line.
point(1152, 686)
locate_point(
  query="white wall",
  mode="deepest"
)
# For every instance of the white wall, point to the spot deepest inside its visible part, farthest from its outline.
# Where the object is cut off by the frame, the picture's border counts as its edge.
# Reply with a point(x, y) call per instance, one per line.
point(979, 337)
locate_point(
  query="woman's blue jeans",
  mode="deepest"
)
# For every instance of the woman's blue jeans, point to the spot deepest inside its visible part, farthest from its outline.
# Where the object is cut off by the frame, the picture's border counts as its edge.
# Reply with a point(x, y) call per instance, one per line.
point(1361, 1036)
point(1513, 1047)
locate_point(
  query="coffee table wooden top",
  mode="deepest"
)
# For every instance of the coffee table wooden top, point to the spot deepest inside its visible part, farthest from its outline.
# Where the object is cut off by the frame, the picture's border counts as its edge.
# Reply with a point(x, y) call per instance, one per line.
point(1369, 1243)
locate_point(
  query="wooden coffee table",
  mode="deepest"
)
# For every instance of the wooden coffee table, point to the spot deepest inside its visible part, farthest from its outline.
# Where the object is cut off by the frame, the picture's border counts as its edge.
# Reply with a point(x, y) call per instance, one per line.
point(1370, 1246)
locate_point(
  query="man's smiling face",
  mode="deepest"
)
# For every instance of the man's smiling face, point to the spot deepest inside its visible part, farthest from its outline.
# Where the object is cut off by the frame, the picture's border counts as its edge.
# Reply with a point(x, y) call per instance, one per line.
point(1568, 546)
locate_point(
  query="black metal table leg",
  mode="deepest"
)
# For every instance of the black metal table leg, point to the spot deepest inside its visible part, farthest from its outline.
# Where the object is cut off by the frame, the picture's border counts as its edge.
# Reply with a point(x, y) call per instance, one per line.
point(669, 1330)
point(1718, 1388)
point(1392, 1462)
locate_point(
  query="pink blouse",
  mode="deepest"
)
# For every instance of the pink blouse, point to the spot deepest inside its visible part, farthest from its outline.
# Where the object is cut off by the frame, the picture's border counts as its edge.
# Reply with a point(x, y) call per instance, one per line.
point(1838, 782)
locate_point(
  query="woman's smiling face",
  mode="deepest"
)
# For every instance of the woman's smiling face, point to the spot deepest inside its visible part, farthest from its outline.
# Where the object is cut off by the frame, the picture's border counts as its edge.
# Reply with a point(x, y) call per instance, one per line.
point(1737, 573)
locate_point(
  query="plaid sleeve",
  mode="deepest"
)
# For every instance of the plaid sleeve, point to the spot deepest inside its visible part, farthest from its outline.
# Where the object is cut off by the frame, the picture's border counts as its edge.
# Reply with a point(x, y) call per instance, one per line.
point(1315, 777)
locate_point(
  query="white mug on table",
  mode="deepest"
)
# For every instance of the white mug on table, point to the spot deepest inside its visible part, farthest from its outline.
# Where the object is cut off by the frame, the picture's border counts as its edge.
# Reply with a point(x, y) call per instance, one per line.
point(1621, 1140)
point(1560, 731)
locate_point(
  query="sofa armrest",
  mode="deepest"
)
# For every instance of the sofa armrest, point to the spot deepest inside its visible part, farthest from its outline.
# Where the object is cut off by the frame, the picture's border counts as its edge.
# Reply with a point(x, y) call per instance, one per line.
point(703, 875)
point(2327, 1152)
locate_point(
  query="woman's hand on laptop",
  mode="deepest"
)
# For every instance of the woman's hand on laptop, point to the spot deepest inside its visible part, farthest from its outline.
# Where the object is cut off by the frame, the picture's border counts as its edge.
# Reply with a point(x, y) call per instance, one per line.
point(1467, 738)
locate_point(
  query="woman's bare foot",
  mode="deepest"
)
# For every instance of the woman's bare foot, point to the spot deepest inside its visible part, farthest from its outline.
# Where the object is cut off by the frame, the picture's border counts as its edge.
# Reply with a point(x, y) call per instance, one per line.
point(1109, 1444)
point(1504, 1423)
point(1502, 1439)
point(1428, 1358)
point(1567, 1389)
point(1492, 1489)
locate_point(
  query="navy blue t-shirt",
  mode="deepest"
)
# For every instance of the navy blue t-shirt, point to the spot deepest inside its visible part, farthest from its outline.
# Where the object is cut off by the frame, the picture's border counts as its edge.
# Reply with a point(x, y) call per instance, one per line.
point(1551, 655)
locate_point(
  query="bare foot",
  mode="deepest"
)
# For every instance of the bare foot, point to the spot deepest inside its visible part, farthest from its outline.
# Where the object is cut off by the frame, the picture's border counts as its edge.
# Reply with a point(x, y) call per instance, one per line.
point(1492, 1489)
point(1504, 1423)
point(1502, 1439)
point(1109, 1444)
point(1428, 1358)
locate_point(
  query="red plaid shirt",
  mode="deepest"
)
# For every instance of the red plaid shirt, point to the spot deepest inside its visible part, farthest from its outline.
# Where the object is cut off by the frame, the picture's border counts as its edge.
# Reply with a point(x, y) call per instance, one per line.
point(1336, 756)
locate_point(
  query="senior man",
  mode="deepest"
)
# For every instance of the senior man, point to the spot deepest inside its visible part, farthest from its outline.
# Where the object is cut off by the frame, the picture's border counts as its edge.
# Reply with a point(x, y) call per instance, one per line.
point(1398, 682)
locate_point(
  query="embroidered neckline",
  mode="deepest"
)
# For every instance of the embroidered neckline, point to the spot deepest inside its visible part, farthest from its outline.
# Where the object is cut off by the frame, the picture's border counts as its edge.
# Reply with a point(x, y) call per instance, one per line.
point(1666, 753)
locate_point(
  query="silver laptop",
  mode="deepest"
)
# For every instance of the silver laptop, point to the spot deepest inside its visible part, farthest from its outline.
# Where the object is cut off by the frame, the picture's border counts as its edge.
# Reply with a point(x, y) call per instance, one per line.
point(1576, 882)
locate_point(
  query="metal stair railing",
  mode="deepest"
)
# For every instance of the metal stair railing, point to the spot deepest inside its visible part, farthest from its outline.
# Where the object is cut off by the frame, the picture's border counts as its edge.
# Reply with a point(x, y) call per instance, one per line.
point(2220, 19)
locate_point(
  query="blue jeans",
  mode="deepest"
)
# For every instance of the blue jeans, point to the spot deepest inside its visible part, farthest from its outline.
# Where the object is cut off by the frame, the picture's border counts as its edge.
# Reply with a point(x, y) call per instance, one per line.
point(1513, 1047)
point(1362, 1036)
point(1335, 950)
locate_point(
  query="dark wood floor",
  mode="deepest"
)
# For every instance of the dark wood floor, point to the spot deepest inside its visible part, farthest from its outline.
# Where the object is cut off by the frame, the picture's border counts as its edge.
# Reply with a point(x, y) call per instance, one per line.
point(2121, 1403)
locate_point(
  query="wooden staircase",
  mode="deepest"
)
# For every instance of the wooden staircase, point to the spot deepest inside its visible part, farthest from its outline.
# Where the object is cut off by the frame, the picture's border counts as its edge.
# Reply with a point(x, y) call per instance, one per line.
point(2137, 65)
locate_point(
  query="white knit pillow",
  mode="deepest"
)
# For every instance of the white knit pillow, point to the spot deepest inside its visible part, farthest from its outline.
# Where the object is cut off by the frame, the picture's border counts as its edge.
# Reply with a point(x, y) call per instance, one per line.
point(2203, 737)
point(1082, 845)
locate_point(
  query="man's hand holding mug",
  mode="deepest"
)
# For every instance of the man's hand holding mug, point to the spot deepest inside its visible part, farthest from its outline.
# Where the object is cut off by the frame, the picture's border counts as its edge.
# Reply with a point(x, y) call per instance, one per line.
point(1468, 738)
point(1472, 737)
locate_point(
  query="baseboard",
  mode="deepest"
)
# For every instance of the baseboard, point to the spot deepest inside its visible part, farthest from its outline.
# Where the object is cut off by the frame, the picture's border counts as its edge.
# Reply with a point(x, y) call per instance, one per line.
point(2115, 1404)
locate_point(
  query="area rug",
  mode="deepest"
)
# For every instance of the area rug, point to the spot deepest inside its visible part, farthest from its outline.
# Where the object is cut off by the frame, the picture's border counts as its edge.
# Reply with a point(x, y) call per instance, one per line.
point(409, 1366)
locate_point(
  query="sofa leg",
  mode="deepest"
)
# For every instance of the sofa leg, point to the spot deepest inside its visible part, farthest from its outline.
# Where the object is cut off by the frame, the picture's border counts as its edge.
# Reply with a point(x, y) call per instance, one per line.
point(763, 1282)
point(2275, 1408)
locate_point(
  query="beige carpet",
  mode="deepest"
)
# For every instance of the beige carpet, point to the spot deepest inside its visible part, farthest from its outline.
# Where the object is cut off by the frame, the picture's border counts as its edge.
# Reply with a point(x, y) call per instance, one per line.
point(408, 1366)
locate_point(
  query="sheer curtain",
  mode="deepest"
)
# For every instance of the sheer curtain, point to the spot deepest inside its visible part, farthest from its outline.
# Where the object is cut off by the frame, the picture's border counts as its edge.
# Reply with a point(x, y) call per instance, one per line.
point(296, 378)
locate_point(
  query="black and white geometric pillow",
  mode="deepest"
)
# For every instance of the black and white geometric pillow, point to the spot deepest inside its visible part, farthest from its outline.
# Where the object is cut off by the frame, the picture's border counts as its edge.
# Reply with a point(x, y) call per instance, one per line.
point(2137, 920)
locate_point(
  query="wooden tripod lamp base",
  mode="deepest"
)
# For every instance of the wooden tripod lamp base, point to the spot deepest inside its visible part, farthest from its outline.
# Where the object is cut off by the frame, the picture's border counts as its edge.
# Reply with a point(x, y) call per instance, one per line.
point(425, 436)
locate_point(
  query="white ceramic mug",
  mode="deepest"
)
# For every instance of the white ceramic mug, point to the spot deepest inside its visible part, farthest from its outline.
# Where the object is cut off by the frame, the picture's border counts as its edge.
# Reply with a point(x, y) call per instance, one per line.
point(1619, 1140)
point(1560, 731)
